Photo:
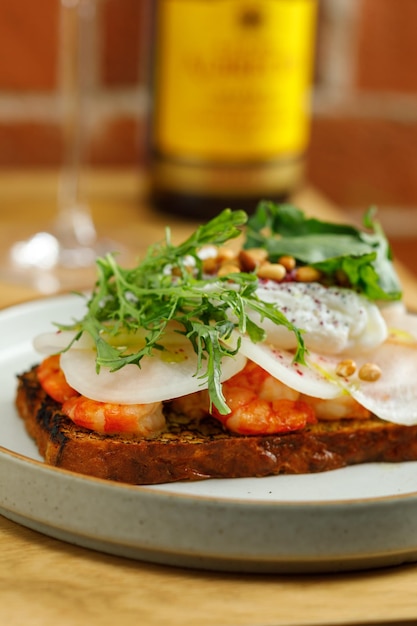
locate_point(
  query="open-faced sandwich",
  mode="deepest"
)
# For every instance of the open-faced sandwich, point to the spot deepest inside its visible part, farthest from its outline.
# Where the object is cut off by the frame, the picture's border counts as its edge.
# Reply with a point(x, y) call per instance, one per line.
point(291, 354)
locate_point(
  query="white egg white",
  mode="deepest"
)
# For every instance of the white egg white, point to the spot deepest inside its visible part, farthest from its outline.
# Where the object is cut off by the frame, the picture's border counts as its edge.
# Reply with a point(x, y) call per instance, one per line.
point(334, 320)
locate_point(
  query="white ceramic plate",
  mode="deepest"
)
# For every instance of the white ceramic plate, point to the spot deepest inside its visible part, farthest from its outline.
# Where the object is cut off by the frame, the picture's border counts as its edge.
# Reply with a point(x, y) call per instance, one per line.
point(358, 517)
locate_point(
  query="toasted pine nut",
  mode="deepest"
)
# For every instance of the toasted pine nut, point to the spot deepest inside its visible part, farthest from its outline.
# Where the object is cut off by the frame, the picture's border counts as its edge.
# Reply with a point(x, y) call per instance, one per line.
point(307, 274)
point(210, 265)
point(288, 262)
point(228, 268)
point(342, 278)
point(369, 372)
point(250, 259)
point(346, 368)
point(225, 254)
point(176, 271)
point(271, 271)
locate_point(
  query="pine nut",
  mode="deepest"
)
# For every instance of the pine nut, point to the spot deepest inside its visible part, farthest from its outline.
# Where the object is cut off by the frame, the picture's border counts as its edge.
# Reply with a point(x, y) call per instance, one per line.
point(342, 278)
point(210, 265)
point(346, 368)
point(251, 259)
point(228, 268)
point(272, 271)
point(225, 254)
point(177, 271)
point(369, 372)
point(307, 274)
point(288, 262)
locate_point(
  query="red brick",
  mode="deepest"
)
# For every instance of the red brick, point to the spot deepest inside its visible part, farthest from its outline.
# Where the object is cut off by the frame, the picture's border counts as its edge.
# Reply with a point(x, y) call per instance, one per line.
point(122, 32)
point(405, 250)
point(358, 162)
point(387, 45)
point(30, 144)
point(28, 44)
point(119, 142)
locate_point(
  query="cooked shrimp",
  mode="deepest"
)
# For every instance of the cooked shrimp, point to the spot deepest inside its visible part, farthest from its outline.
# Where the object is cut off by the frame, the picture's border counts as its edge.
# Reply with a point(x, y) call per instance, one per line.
point(53, 381)
point(342, 407)
point(138, 419)
point(143, 420)
point(260, 404)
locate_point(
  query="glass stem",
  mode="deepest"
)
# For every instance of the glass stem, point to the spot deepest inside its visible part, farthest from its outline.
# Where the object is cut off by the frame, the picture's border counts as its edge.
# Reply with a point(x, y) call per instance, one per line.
point(75, 226)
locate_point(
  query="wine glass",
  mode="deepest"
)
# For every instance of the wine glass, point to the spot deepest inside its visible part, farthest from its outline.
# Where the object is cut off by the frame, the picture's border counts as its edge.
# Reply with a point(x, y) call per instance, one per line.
point(63, 257)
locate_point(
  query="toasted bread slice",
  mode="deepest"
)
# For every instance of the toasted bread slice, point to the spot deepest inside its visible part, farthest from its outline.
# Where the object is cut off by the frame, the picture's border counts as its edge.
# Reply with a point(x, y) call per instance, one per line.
point(190, 450)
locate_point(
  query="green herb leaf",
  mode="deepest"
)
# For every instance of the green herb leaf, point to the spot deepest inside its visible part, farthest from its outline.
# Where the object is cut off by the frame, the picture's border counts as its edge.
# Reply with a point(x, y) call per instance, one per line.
point(149, 297)
point(364, 257)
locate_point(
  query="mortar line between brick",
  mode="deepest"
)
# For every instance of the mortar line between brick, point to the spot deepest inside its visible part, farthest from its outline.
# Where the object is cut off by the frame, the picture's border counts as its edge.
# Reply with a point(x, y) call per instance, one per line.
point(393, 106)
point(48, 107)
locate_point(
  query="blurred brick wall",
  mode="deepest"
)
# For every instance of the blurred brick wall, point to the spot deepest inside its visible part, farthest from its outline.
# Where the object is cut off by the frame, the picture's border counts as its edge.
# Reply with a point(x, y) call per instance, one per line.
point(30, 63)
point(364, 134)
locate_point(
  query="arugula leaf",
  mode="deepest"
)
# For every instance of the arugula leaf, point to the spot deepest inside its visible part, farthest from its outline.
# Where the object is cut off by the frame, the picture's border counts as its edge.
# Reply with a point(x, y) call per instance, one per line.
point(149, 297)
point(364, 257)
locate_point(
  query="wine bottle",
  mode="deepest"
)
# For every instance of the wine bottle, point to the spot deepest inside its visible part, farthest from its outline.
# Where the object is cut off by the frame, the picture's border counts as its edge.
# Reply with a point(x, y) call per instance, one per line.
point(230, 114)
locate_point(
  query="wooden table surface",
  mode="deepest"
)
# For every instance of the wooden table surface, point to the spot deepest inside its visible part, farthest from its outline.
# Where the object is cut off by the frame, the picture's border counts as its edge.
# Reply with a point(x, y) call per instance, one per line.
point(47, 582)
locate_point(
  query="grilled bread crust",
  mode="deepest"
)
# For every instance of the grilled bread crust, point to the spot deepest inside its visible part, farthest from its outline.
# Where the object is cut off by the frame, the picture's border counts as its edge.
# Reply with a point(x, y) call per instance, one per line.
point(189, 450)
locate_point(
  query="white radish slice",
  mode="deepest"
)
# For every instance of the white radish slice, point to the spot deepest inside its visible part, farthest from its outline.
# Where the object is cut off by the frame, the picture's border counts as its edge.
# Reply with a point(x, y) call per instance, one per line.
point(161, 377)
point(52, 343)
point(393, 397)
point(280, 364)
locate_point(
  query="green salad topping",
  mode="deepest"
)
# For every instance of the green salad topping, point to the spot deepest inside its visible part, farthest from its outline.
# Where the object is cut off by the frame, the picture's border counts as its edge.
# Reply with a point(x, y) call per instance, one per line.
point(169, 285)
point(363, 257)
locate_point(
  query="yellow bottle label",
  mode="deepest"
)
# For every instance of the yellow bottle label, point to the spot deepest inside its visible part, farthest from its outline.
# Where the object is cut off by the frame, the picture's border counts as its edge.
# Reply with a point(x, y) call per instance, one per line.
point(233, 78)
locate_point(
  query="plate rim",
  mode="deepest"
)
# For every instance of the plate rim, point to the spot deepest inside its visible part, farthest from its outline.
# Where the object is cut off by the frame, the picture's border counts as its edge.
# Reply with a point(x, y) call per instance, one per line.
point(149, 490)
point(40, 302)
point(165, 512)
